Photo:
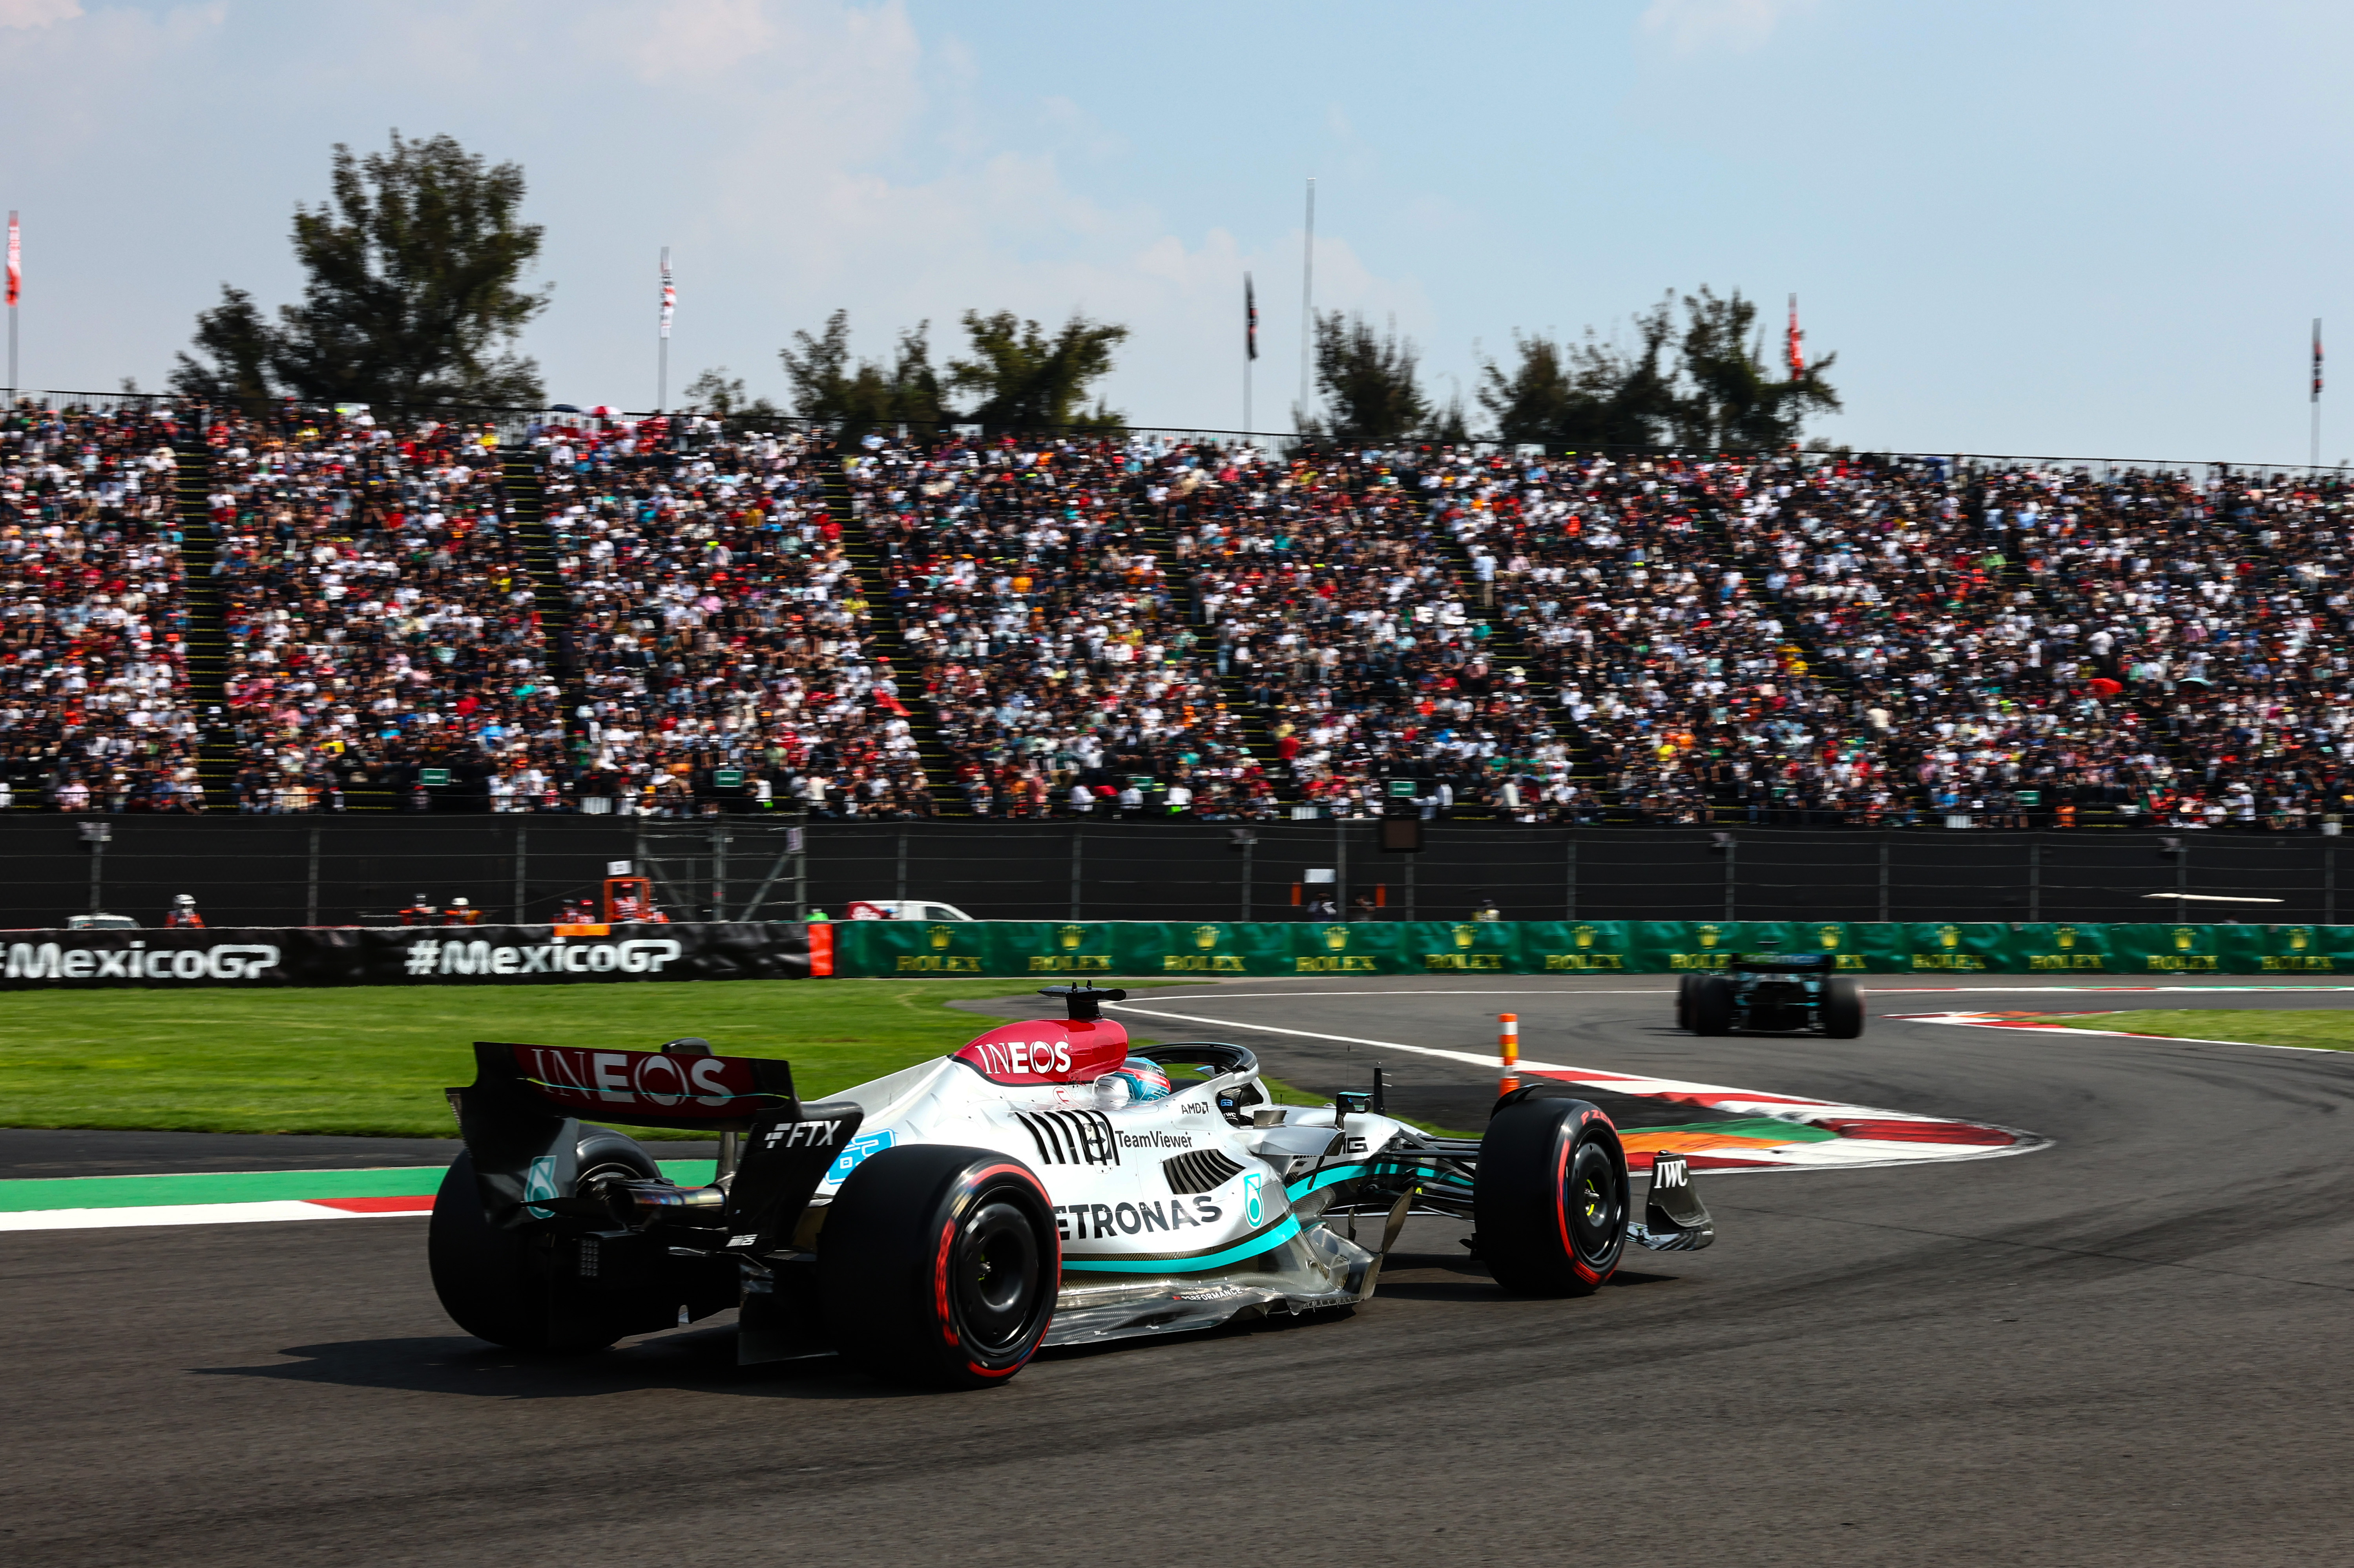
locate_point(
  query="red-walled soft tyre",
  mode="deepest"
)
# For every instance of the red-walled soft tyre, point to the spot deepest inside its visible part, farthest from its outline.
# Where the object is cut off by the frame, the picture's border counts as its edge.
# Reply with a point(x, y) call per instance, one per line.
point(940, 1265)
point(1552, 1197)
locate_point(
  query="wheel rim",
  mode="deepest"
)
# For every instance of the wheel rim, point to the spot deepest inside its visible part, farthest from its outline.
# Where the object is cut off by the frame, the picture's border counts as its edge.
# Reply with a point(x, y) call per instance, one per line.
point(996, 1275)
point(1590, 1194)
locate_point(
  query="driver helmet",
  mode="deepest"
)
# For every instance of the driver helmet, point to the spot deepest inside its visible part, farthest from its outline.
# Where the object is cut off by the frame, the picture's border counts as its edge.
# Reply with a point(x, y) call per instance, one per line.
point(1145, 1080)
point(185, 901)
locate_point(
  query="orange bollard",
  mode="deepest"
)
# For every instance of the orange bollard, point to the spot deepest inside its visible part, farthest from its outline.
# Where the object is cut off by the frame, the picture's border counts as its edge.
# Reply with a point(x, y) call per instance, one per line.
point(1509, 1043)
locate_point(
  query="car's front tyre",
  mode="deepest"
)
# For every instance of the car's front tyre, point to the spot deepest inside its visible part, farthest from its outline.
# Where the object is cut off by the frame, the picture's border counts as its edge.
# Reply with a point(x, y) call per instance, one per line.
point(939, 1264)
point(1550, 1195)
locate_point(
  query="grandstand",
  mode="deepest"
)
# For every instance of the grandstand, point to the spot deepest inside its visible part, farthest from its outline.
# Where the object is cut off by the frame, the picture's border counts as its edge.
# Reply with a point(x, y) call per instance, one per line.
point(303, 610)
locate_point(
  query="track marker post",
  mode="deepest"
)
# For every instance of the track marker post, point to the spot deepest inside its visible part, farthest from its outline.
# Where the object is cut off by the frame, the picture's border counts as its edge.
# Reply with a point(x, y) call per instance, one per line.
point(1508, 1043)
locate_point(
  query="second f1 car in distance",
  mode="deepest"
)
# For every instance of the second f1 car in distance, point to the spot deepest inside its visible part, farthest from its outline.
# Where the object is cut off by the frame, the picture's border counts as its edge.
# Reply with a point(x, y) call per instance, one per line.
point(1049, 1184)
point(1771, 993)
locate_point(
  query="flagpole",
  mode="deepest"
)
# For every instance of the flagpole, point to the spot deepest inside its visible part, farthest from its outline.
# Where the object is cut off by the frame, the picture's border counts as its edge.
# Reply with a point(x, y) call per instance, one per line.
point(1307, 309)
point(15, 271)
point(662, 351)
point(2316, 393)
point(1250, 350)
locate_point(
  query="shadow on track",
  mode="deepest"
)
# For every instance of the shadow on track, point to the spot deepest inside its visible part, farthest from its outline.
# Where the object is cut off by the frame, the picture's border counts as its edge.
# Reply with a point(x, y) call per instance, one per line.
point(701, 1359)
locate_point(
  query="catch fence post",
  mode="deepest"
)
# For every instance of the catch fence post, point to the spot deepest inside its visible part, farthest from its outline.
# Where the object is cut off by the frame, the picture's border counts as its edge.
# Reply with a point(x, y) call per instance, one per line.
point(1884, 876)
point(1076, 838)
point(311, 898)
point(1250, 842)
point(1508, 1044)
point(2034, 881)
point(1341, 867)
point(720, 871)
point(797, 839)
point(1569, 899)
point(1731, 858)
point(902, 895)
point(2329, 885)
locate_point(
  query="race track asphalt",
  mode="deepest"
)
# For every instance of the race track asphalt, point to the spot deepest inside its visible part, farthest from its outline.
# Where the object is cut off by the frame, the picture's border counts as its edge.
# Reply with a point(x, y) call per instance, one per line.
point(2129, 1347)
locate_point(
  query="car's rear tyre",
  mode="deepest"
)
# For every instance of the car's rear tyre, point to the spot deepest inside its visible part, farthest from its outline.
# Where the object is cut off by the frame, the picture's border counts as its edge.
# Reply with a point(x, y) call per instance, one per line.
point(1551, 1197)
point(1684, 983)
point(940, 1265)
point(1842, 1010)
point(1712, 1005)
point(504, 1285)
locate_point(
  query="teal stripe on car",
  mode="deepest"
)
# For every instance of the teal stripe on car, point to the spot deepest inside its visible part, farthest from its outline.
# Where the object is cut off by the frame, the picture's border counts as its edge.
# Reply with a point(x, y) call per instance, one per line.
point(1276, 1236)
point(1322, 1179)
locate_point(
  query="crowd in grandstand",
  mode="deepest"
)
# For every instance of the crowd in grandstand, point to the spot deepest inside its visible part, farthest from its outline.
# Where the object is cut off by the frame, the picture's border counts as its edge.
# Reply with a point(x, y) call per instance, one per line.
point(1124, 626)
point(93, 664)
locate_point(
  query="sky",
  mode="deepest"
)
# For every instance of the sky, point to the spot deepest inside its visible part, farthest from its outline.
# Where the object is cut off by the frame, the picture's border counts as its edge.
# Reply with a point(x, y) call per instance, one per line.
point(2085, 230)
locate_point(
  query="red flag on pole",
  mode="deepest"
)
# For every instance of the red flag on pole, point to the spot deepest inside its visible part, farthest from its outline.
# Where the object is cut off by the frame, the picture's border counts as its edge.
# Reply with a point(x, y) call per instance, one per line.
point(1798, 348)
point(15, 263)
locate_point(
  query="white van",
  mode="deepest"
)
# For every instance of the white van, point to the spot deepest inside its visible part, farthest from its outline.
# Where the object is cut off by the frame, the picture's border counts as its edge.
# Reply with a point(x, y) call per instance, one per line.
point(903, 909)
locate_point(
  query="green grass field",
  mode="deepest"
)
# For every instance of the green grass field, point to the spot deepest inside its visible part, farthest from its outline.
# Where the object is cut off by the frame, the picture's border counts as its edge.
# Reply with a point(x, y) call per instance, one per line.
point(374, 1060)
point(2328, 1031)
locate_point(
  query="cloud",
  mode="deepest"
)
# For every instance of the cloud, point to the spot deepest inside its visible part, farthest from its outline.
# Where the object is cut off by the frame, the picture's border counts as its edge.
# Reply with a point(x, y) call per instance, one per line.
point(1691, 25)
point(37, 13)
point(797, 155)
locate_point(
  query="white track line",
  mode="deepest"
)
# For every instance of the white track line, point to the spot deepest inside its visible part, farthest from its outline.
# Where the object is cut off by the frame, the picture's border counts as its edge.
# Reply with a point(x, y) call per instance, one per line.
point(1653, 990)
point(1853, 1154)
point(189, 1215)
point(1964, 1021)
point(1475, 1058)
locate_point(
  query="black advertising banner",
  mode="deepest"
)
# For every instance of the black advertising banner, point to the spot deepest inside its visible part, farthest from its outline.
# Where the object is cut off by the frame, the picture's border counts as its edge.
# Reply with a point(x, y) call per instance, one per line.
point(419, 955)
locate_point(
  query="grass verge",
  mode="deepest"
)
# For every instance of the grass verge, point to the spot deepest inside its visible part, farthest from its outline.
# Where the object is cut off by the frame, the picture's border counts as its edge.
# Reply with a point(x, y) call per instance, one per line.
point(373, 1060)
point(2331, 1030)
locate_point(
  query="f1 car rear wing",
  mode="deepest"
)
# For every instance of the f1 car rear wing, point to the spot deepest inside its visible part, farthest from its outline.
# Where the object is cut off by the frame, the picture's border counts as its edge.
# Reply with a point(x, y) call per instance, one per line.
point(520, 1119)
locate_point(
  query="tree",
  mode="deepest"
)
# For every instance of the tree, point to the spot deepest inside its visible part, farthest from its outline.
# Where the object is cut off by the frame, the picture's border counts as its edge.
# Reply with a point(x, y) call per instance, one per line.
point(725, 395)
point(413, 296)
point(831, 387)
point(236, 341)
point(1728, 402)
point(1028, 381)
point(1371, 394)
point(1588, 395)
point(1716, 396)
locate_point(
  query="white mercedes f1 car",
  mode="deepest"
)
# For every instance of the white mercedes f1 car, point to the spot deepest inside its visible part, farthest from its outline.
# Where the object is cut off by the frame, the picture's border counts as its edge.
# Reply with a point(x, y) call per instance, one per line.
point(1048, 1185)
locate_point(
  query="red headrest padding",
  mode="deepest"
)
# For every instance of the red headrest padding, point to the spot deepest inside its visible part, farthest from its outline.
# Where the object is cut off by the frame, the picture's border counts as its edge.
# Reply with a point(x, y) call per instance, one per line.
point(1050, 1051)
